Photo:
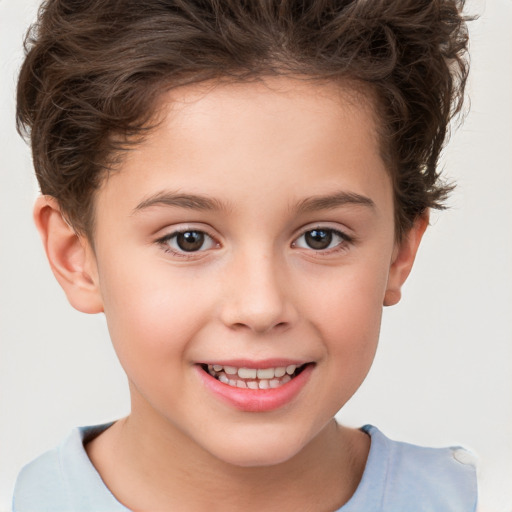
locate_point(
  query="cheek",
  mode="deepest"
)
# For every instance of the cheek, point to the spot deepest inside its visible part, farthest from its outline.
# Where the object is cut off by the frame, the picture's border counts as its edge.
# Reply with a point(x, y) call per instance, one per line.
point(347, 312)
point(151, 315)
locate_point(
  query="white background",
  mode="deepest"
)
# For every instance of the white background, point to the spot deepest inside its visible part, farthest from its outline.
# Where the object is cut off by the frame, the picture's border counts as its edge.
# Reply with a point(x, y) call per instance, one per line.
point(443, 372)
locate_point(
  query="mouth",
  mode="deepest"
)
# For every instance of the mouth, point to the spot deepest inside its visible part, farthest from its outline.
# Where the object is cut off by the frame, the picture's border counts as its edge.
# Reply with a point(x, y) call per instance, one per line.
point(261, 386)
point(254, 378)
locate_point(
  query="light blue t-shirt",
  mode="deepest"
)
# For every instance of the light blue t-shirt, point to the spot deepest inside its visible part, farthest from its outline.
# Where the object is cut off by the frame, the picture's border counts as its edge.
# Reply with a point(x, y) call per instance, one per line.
point(398, 477)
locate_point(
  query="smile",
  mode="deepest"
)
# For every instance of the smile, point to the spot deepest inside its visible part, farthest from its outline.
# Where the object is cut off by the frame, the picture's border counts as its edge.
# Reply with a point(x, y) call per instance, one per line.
point(253, 378)
point(270, 386)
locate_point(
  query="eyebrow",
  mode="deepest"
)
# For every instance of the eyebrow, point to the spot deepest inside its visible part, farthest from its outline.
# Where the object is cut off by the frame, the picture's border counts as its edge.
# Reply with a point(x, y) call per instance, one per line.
point(207, 203)
point(189, 201)
point(332, 201)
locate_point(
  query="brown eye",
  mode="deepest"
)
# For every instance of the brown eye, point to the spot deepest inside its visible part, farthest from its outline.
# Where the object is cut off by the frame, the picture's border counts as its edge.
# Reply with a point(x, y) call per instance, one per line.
point(190, 241)
point(322, 239)
point(318, 239)
point(185, 242)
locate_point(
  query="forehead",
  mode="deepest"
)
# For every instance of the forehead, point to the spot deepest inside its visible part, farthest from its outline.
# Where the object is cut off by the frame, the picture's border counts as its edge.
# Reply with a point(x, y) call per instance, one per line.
point(230, 140)
point(279, 105)
point(315, 95)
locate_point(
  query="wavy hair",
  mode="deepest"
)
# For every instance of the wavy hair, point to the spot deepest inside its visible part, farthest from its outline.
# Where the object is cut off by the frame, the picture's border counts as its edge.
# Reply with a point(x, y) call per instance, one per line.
point(94, 69)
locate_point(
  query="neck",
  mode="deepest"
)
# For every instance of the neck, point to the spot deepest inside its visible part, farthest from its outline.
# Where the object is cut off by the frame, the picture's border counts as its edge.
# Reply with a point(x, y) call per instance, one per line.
point(149, 466)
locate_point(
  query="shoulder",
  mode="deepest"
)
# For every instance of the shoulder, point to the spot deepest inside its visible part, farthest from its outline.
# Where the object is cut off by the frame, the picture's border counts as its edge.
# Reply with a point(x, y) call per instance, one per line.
point(64, 479)
point(402, 477)
point(39, 484)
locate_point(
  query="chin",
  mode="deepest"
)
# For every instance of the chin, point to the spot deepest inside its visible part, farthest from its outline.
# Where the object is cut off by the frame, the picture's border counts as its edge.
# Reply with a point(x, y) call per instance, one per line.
point(260, 452)
point(257, 459)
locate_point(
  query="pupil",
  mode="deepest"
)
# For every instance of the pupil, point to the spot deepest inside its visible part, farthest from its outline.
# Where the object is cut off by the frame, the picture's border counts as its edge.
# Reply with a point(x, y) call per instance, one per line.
point(318, 238)
point(190, 240)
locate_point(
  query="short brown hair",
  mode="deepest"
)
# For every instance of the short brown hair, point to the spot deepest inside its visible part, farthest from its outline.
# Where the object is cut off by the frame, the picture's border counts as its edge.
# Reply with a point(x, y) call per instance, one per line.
point(94, 69)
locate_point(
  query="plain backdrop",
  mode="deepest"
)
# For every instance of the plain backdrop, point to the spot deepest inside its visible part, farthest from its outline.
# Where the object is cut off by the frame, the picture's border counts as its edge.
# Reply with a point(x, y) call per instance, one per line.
point(443, 372)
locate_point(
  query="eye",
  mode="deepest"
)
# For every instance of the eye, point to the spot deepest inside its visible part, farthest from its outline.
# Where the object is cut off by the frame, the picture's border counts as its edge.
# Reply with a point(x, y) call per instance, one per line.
point(321, 239)
point(189, 240)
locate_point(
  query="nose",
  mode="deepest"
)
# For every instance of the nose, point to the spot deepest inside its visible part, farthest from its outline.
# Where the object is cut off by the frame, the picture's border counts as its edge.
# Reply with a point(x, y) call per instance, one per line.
point(257, 296)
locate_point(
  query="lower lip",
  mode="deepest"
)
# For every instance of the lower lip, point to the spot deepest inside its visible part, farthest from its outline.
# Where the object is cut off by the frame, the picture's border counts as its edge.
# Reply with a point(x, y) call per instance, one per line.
point(257, 400)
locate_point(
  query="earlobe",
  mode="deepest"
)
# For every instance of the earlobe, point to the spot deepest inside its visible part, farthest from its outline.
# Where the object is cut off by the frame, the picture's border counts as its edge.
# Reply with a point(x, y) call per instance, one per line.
point(403, 259)
point(70, 256)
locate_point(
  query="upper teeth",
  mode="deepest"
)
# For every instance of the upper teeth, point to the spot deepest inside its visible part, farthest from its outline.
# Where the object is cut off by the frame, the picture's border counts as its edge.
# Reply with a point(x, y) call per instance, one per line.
point(253, 373)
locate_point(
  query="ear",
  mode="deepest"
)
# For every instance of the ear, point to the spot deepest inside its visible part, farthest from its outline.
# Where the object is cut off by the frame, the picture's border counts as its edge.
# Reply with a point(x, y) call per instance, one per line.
point(70, 256)
point(403, 259)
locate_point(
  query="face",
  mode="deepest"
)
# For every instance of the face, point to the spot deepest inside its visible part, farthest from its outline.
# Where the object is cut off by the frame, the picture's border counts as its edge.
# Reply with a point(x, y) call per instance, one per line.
point(242, 255)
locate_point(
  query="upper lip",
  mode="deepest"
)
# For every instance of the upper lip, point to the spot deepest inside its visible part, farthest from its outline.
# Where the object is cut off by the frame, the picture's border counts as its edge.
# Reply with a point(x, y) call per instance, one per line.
point(259, 364)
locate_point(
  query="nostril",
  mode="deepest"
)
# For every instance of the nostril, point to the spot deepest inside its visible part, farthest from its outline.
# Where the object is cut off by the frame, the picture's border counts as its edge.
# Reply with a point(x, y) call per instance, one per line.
point(239, 325)
point(261, 329)
point(257, 313)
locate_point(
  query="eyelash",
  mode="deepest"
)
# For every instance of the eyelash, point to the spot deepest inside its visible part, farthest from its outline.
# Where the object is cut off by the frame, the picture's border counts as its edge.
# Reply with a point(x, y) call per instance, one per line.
point(345, 240)
point(165, 240)
point(342, 245)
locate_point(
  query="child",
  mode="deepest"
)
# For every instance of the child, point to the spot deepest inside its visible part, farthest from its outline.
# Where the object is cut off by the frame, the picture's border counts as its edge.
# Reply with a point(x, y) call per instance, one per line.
point(240, 187)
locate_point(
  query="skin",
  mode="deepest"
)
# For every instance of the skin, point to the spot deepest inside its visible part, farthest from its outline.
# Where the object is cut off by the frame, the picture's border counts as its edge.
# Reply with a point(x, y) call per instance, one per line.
point(255, 290)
